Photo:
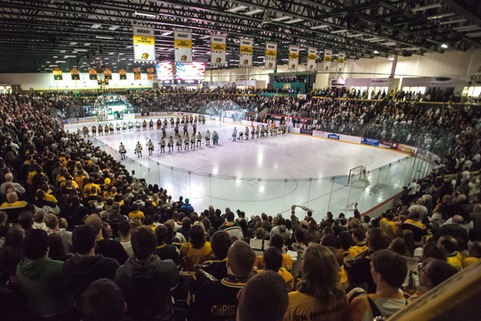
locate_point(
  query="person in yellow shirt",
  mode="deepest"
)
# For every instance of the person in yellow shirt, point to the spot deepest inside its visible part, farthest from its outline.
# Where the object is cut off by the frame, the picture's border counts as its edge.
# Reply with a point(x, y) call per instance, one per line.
point(197, 250)
point(474, 254)
point(136, 214)
point(278, 242)
point(450, 246)
point(273, 262)
point(359, 238)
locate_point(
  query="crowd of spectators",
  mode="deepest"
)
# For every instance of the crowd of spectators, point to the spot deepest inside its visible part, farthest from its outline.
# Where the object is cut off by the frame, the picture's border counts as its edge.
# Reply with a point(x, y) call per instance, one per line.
point(83, 238)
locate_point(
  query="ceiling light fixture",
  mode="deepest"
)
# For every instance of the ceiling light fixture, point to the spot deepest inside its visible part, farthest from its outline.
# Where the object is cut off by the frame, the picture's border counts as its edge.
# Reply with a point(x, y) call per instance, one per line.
point(145, 14)
point(473, 34)
point(236, 9)
point(281, 18)
point(95, 26)
point(253, 12)
point(466, 28)
point(105, 37)
point(294, 21)
point(376, 52)
point(441, 16)
point(319, 27)
point(452, 21)
point(427, 7)
point(444, 46)
point(338, 31)
point(113, 28)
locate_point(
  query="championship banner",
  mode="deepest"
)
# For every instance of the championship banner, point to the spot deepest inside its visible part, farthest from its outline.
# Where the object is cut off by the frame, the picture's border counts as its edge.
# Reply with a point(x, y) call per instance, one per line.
point(327, 60)
point(293, 57)
point(57, 74)
point(340, 60)
point(271, 55)
point(92, 74)
point(311, 58)
point(218, 47)
point(151, 73)
point(107, 74)
point(183, 45)
point(137, 73)
point(75, 74)
point(123, 74)
point(245, 50)
point(144, 44)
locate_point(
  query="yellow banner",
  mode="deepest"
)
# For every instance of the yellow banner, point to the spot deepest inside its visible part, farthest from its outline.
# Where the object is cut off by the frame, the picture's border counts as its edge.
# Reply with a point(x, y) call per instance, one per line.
point(218, 46)
point(181, 43)
point(271, 53)
point(144, 40)
point(293, 55)
point(57, 74)
point(246, 50)
point(123, 74)
point(107, 73)
point(312, 56)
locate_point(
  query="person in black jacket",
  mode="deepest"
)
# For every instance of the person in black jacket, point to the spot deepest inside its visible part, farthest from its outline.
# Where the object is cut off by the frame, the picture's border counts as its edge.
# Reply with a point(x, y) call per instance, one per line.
point(86, 266)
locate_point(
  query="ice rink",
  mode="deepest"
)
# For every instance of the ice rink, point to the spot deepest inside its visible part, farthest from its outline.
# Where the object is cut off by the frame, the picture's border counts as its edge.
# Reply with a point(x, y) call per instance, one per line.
point(263, 174)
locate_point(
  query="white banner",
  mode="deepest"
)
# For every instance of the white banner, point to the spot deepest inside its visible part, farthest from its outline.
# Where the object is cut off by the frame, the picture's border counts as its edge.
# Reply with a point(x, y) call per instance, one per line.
point(270, 55)
point(246, 50)
point(293, 57)
point(183, 45)
point(218, 48)
point(340, 60)
point(144, 44)
point(311, 59)
point(327, 60)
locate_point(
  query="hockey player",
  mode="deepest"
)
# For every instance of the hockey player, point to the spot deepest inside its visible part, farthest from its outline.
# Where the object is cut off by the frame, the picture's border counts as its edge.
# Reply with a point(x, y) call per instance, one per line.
point(122, 151)
point(253, 132)
point(94, 131)
point(124, 127)
point(172, 121)
point(207, 138)
point(162, 145)
point(159, 124)
point(100, 129)
point(138, 149)
point(111, 129)
point(234, 134)
point(144, 125)
point(176, 131)
point(215, 138)
point(131, 126)
point(247, 133)
point(241, 135)
point(179, 144)
point(185, 129)
point(194, 128)
point(199, 139)
point(150, 146)
point(164, 134)
point(186, 142)
point(192, 141)
point(85, 131)
point(171, 144)
point(137, 125)
point(203, 119)
point(151, 124)
point(118, 127)
point(257, 131)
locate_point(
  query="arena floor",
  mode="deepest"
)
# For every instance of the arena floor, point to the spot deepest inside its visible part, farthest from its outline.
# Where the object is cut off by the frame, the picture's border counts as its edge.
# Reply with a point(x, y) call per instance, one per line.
point(260, 175)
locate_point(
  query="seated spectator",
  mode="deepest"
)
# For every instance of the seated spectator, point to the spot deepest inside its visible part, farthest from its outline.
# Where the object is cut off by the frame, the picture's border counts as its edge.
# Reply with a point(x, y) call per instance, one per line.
point(11, 254)
point(450, 246)
point(217, 300)
point(432, 272)
point(263, 298)
point(273, 262)
point(13, 207)
point(106, 247)
point(388, 271)
point(231, 227)
point(278, 242)
point(197, 250)
point(19, 189)
point(414, 224)
point(319, 293)
point(453, 228)
point(146, 281)
point(359, 238)
point(474, 250)
point(53, 225)
point(40, 279)
point(86, 266)
point(102, 301)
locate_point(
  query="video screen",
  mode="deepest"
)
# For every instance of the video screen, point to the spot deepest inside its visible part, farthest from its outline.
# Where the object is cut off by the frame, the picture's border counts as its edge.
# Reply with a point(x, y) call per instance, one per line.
point(164, 70)
point(195, 70)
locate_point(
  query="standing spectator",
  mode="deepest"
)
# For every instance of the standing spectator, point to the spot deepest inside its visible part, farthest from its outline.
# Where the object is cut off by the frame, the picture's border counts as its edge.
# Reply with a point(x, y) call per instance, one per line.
point(187, 208)
point(86, 266)
point(102, 301)
point(232, 228)
point(125, 233)
point(146, 281)
point(197, 250)
point(40, 279)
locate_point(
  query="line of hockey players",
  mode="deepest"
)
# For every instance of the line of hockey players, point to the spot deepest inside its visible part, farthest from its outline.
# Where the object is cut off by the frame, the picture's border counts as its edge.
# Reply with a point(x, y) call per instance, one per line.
point(181, 143)
point(110, 129)
point(258, 131)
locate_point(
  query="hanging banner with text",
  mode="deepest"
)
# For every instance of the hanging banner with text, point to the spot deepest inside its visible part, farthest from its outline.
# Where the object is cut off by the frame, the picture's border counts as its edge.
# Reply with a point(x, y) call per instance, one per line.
point(245, 49)
point(57, 74)
point(293, 57)
point(218, 49)
point(311, 58)
point(327, 60)
point(144, 44)
point(340, 60)
point(271, 55)
point(92, 74)
point(123, 74)
point(75, 74)
point(107, 74)
point(151, 73)
point(183, 45)
point(137, 73)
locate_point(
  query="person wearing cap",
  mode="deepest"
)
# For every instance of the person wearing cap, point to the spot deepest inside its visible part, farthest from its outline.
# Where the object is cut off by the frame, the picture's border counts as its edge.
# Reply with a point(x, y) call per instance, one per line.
point(187, 208)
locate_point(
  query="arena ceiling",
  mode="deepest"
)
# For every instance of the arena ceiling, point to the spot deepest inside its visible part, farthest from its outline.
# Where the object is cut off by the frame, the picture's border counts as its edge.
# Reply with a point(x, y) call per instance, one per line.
point(39, 34)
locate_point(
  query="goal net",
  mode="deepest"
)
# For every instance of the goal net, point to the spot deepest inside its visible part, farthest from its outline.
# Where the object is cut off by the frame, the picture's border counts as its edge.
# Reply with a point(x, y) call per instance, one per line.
point(358, 177)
